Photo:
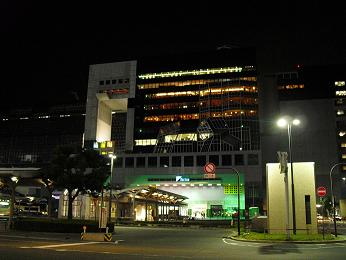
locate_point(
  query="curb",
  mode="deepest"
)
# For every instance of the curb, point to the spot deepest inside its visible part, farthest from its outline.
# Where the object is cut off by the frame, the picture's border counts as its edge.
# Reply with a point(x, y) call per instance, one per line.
point(292, 242)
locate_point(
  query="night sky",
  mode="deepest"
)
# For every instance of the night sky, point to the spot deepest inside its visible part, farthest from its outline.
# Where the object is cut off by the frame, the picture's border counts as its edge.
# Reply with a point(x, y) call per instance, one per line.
point(46, 48)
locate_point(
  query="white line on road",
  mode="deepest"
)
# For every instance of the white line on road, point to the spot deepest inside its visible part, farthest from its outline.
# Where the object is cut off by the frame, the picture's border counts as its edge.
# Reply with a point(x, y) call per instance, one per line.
point(11, 236)
point(62, 245)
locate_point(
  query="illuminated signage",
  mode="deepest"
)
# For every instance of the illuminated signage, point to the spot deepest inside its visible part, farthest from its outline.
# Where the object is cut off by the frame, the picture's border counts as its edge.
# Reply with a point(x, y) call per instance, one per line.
point(181, 179)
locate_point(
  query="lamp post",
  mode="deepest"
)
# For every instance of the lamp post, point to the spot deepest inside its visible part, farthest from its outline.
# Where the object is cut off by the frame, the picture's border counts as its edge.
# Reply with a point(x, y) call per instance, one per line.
point(283, 123)
point(333, 198)
point(12, 183)
point(112, 156)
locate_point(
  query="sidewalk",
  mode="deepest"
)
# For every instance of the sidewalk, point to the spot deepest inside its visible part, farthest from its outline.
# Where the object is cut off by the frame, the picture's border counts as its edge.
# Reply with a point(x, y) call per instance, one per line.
point(42, 235)
point(340, 239)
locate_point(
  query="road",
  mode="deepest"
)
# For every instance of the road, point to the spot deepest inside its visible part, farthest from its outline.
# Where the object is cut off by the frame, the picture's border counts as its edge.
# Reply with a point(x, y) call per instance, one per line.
point(158, 243)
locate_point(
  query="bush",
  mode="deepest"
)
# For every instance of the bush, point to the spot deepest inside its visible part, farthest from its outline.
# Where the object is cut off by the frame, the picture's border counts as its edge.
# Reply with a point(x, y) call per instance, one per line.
point(56, 225)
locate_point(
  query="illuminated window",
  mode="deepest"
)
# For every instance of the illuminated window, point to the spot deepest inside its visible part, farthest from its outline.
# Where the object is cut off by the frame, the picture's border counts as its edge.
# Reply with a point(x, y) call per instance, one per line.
point(194, 82)
point(339, 83)
point(181, 137)
point(144, 142)
point(176, 117)
point(343, 156)
point(340, 112)
point(192, 72)
point(166, 106)
point(340, 93)
point(342, 133)
point(343, 145)
point(344, 168)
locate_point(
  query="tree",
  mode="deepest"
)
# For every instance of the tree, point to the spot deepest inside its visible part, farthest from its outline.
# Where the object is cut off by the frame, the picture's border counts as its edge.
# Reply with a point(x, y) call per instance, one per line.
point(79, 171)
point(327, 205)
point(49, 178)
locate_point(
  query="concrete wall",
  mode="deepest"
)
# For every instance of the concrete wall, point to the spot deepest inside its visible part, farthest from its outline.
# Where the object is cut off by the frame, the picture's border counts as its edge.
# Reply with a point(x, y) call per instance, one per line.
point(304, 184)
point(104, 123)
point(343, 208)
point(98, 118)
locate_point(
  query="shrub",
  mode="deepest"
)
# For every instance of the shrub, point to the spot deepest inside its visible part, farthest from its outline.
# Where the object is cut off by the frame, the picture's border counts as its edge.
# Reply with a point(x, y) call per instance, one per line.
point(56, 225)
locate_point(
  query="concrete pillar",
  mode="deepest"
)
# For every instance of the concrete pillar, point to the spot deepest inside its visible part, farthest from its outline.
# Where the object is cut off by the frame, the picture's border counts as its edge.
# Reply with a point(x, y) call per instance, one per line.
point(343, 208)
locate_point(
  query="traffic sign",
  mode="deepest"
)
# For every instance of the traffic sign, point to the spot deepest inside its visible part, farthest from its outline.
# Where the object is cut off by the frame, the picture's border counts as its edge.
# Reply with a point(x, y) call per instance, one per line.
point(321, 191)
point(209, 168)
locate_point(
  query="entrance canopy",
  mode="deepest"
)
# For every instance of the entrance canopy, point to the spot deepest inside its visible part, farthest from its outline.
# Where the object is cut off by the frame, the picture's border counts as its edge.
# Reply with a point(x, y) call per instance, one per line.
point(153, 194)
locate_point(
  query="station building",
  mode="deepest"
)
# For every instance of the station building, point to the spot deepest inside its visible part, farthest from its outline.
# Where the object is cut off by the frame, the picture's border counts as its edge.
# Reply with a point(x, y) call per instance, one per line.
point(169, 117)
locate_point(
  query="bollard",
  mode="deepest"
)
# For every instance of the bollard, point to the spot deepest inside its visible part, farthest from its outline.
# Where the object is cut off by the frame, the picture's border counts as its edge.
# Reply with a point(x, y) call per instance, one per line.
point(83, 235)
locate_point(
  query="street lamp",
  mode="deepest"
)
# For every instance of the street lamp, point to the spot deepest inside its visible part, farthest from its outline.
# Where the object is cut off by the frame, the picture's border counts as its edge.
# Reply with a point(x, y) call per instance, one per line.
point(331, 191)
point(112, 156)
point(283, 122)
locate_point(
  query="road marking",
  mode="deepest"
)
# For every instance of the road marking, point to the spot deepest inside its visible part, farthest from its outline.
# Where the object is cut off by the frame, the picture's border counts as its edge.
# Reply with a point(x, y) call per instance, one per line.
point(62, 245)
point(42, 238)
point(229, 243)
point(117, 241)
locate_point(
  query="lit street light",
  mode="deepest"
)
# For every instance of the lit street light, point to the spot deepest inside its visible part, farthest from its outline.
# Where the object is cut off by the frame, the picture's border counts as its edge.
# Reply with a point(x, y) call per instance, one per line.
point(283, 122)
point(333, 198)
point(112, 156)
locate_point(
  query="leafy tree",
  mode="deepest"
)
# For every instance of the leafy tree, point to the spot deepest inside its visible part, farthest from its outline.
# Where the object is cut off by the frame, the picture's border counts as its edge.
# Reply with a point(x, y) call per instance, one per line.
point(49, 178)
point(327, 205)
point(79, 171)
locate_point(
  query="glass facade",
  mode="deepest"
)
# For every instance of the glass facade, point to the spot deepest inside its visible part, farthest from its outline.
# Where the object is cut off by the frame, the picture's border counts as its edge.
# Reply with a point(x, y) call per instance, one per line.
point(189, 97)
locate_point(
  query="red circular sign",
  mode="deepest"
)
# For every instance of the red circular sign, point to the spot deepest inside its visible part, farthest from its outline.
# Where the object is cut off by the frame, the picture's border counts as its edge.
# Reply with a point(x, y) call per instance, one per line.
point(321, 191)
point(209, 168)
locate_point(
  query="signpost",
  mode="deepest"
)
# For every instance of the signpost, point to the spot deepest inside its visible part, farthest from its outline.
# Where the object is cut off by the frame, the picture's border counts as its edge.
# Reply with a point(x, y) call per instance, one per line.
point(209, 170)
point(321, 191)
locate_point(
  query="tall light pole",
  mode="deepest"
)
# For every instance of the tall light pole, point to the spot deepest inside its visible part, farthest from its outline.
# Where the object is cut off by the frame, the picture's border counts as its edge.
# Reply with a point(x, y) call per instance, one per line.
point(331, 191)
point(112, 156)
point(283, 123)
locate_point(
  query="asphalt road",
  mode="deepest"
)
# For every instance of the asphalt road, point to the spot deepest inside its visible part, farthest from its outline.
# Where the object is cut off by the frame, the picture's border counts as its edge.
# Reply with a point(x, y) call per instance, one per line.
point(158, 243)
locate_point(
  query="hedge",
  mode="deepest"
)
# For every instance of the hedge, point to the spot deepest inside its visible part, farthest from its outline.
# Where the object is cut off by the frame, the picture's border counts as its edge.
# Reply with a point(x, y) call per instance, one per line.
point(56, 225)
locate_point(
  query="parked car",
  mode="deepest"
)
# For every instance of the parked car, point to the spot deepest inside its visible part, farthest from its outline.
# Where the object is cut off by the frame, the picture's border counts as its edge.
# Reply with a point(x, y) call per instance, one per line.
point(338, 218)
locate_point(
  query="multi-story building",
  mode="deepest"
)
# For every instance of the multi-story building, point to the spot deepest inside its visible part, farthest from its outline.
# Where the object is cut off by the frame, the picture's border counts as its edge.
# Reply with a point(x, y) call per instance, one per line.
point(170, 116)
point(29, 136)
point(313, 94)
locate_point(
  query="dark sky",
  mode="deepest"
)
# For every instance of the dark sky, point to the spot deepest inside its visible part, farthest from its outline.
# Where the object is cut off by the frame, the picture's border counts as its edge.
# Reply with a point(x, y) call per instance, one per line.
point(46, 47)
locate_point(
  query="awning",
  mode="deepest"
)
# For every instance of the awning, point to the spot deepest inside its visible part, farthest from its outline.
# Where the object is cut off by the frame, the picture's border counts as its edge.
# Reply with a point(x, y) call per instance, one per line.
point(153, 194)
